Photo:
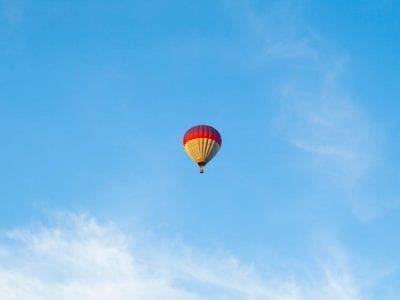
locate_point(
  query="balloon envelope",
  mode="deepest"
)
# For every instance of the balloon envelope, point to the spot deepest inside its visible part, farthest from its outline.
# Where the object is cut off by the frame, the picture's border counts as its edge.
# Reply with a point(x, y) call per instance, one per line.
point(201, 143)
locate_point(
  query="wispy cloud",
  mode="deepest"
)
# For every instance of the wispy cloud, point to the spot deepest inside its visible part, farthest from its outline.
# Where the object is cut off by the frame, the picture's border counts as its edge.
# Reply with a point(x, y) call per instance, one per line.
point(314, 110)
point(326, 123)
point(370, 208)
point(79, 258)
point(317, 113)
point(334, 134)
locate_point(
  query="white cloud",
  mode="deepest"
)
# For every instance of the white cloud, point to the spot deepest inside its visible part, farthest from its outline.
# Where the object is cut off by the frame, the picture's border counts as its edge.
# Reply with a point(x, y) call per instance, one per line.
point(78, 258)
point(334, 129)
point(317, 114)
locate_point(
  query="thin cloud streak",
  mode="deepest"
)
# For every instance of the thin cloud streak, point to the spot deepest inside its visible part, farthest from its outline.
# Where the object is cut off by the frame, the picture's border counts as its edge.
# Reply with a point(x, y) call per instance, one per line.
point(336, 138)
point(334, 129)
point(315, 112)
point(81, 258)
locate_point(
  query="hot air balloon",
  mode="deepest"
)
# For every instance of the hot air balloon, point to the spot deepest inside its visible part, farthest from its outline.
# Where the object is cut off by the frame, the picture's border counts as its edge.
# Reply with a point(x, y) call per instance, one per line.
point(201, 143)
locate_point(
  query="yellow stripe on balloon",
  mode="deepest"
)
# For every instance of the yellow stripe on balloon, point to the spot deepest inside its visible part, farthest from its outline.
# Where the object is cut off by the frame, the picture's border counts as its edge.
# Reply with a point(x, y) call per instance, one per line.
point(201, 150)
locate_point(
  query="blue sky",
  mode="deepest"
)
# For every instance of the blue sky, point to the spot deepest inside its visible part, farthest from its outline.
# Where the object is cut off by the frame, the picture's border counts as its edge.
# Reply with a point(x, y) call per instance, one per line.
point(96, 192)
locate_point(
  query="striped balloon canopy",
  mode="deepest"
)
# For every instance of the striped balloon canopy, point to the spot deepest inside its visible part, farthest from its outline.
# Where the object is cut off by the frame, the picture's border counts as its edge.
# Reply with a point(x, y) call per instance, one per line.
point(202, 142)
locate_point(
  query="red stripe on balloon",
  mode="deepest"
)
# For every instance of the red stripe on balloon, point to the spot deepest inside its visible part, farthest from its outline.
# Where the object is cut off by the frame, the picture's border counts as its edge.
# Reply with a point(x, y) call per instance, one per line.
point(202, 131)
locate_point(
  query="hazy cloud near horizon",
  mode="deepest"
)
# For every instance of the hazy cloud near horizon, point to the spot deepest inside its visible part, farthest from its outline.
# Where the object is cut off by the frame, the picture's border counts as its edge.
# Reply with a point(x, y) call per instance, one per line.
point(77, 257)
